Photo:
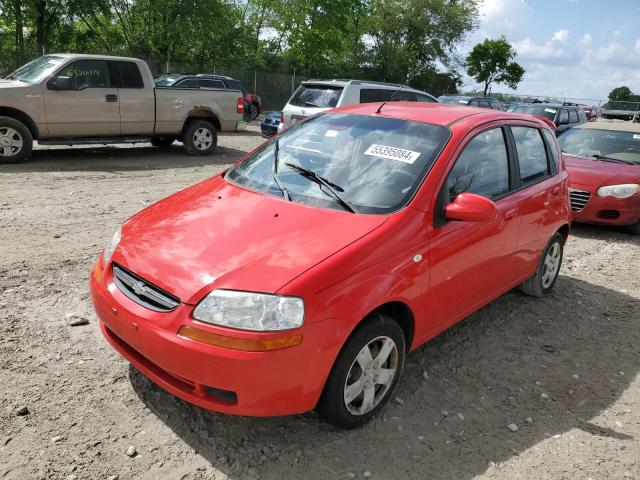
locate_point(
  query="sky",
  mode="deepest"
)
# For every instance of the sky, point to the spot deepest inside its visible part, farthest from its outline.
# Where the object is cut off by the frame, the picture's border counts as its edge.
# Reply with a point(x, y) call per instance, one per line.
point(578, 49)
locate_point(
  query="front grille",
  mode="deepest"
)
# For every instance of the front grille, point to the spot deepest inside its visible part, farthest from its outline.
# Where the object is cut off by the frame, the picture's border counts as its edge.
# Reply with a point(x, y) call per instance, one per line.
point(579, 199)
point(143, 292)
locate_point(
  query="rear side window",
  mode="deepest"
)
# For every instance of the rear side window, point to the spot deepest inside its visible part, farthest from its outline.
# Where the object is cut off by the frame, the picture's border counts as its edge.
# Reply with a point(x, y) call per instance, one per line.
point(564, 117)
point(369, 95)
point(573, 116)
point(532, 156)
point(424, 98)
point(211, 84)
point(482, 167)
point(553, 149)
point(323, 96)
point(582, 116)
point(234, 85)
point(131, 77)
point(188, 83)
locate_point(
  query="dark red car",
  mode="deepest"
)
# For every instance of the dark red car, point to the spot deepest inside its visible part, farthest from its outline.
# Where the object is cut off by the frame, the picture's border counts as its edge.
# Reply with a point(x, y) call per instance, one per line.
point(301, 277)
point(603, 160)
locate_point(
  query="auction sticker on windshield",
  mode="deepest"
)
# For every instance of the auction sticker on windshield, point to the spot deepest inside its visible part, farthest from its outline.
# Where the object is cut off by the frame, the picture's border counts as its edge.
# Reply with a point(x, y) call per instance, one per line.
point(392, 153)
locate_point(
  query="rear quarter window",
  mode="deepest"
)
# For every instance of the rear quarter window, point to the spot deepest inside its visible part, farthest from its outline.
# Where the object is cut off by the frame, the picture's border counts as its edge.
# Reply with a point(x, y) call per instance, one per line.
point(131, 77)
point(573, 116)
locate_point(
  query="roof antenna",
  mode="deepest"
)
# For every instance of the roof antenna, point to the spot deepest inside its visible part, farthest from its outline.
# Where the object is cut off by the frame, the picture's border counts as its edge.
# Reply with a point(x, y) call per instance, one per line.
point(389, 99)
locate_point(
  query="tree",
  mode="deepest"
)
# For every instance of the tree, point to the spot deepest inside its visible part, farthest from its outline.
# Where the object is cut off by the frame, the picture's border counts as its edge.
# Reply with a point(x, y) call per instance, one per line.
point(492, 62)
point(620, 94)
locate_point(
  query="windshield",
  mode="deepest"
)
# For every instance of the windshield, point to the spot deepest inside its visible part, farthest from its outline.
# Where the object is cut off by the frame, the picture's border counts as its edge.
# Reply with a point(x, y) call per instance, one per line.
point(37, 70)
point(375, 164)
point(322, 96)
point(587, 142)
point(167, 81)
point(540, 111)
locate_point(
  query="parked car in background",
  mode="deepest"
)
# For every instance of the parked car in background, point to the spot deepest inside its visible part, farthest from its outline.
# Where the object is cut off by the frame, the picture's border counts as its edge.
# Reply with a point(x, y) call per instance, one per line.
point(592, 112)
point(254, 103)
point(204, 81)
point(301, 277)
point(270, 124)
point(562, 116)
point(631, 116)
point(482, 102)
point(603, 161)
point(315, 96)
point(66, 99)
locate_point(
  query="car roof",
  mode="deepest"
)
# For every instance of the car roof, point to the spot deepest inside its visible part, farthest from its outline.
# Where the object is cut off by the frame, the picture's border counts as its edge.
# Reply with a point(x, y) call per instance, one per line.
point(435, 113)
point(611, 126)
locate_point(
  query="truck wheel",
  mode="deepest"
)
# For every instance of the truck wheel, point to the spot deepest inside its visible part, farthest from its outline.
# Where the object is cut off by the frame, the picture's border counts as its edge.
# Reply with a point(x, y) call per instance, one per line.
point(253, 111)
point(16, 141)
point(162, 141)
point(542, 281)
point(200, 138)
point(365, 373)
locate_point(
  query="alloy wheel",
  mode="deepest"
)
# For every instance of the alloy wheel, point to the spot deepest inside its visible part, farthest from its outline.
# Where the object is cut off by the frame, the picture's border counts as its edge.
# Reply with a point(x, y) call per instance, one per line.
point(11, 142)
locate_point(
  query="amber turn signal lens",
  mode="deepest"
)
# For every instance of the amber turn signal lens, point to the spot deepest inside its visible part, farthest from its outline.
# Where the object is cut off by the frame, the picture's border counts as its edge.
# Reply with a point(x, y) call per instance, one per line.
point(247, 345)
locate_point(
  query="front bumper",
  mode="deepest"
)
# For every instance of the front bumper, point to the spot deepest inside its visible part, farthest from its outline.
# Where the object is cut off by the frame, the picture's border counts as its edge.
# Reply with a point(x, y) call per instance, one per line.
point(280, 382)
point(607, 210)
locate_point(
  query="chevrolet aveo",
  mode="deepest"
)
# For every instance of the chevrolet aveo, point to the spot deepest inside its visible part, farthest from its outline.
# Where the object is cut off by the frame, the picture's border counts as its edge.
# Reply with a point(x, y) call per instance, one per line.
point(302, 276)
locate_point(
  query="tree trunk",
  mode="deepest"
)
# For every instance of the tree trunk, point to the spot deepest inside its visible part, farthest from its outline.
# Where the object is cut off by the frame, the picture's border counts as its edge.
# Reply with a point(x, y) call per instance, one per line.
point(486, 87)
point(41, 12)
point(19, 32)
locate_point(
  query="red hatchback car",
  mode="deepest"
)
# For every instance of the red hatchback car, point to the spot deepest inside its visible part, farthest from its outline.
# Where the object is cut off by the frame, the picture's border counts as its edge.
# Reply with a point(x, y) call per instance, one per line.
point(302, 276)
point(603, 161)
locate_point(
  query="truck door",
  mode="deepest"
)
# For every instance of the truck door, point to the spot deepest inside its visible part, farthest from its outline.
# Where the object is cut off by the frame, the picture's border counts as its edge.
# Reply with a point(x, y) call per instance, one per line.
point(137, 100)
point(80, 101)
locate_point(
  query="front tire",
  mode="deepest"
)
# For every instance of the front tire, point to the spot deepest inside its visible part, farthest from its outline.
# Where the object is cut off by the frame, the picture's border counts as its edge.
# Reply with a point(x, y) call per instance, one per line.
point(16, 142)
point(365, 374)
point(200, 138)
point(543, 280)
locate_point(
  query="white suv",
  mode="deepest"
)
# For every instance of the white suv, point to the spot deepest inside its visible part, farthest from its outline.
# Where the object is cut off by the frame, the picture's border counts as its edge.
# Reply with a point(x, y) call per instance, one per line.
point(314, 96)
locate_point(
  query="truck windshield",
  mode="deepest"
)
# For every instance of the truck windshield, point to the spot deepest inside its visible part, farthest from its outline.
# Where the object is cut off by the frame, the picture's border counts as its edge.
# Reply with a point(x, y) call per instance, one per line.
point(37, 70)
point(374, 164)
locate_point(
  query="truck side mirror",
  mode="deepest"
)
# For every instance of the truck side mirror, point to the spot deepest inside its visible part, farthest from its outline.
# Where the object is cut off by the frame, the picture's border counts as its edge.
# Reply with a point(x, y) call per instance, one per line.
point(61, 83)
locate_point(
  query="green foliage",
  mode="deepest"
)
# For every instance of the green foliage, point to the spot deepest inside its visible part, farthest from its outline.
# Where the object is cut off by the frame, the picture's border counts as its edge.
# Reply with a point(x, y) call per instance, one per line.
point(622, 98)
point(408, 41)
point(621, 93)
point(492, 62)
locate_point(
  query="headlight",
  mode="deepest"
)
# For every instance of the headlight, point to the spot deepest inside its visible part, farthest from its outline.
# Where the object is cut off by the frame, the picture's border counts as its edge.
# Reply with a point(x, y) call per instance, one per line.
point(250, 311)
point(110, 247)
point(619, 191)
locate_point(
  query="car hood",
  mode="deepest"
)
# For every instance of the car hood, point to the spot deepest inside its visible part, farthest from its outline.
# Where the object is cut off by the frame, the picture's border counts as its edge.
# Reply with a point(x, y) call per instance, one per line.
point(218, 235)
point(589, 172)
point(5, 84)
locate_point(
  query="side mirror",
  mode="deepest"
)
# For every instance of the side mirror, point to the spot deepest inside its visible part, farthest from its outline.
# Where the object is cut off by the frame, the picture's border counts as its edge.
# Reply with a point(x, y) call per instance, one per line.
point(61, 83)
point(469, 207)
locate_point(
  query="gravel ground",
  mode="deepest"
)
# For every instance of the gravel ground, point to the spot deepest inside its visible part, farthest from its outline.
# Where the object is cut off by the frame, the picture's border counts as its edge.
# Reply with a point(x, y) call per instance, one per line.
point(525, 388)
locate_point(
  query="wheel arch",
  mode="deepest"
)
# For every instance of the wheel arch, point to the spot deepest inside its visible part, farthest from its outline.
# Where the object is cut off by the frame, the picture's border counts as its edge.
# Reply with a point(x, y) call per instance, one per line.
point(203, 113)
point(564, 231)
point(22, 117)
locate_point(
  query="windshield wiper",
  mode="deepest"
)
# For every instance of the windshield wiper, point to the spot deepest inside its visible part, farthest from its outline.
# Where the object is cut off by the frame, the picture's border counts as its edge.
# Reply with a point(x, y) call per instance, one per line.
point(274, 168)
point(332, 187)
point(311, 104)
point(613, 160)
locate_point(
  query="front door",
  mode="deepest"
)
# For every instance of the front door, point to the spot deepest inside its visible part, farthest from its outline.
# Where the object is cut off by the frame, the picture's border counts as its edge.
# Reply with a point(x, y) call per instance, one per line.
point(90, 108)
point(473, 262)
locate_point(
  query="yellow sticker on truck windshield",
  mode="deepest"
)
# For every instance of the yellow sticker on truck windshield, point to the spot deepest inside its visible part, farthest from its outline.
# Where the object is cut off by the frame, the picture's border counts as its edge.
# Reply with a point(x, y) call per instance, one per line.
point(392, 153)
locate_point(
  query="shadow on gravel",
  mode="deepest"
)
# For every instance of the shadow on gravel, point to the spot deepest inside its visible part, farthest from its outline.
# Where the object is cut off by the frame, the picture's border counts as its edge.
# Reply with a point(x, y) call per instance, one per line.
point(557, 361)
point(603, 232)
point(114, 158)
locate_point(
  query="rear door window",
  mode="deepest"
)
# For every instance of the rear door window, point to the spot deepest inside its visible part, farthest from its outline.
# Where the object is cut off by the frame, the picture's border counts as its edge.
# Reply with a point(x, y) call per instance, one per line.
point(323, 96)
point(563, 119)
point(188, 83)
point(573, 116)
point(532, 156)
point(482, 167)
point(211, 84)
point(553, 149)
point(130, 74)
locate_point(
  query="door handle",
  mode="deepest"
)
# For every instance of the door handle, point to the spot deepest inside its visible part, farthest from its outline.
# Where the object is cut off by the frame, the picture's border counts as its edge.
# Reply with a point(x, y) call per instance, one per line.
point(509, 214)
point(111, 98)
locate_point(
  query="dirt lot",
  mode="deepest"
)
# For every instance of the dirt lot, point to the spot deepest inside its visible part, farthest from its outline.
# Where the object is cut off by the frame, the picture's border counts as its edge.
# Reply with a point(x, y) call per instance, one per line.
point(564, 370)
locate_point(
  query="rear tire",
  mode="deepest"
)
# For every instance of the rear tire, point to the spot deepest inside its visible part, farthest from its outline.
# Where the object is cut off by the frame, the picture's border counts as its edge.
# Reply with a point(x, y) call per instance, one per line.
point(162, 142)
point(16, 142)
point(543, 280)
point(360, 382)
point(253, 111)
point(200, 137)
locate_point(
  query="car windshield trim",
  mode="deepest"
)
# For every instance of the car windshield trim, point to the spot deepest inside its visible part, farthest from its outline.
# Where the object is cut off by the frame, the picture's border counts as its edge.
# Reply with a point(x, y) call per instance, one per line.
point(348, 150)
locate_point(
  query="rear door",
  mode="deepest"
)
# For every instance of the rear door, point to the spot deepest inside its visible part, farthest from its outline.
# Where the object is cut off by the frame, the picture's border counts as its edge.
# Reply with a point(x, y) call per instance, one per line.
point(473, 262)
point(137, 100)
point(539, 186)
point(90, 109)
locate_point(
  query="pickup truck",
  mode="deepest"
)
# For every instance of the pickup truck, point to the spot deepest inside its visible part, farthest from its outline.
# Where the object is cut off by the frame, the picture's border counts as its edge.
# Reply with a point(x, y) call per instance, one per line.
point(67, 99)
